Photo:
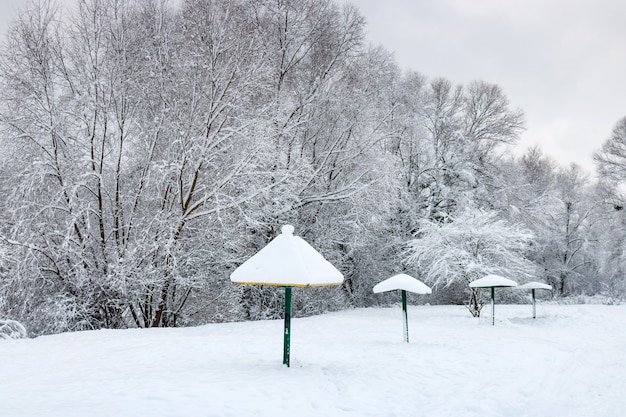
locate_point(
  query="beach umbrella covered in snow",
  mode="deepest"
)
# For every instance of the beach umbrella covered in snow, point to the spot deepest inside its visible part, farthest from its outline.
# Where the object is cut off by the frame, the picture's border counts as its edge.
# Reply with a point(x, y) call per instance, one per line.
point(535, 286)
point(403, 283)
point(287, 261)
point(493, 282)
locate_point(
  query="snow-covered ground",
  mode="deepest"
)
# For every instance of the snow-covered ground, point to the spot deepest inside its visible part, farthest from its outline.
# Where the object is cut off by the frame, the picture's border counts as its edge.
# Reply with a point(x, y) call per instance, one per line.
point(570, 361)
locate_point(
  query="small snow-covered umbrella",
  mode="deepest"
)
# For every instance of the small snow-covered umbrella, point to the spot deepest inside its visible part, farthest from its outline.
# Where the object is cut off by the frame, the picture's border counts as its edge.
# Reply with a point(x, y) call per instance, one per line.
point(493, 282)
point(535, 286)
point(404, 283)
point(287, 261)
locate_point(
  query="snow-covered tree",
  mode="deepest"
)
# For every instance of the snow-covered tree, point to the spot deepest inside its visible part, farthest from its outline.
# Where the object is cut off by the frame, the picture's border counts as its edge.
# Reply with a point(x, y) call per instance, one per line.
point(610, 234)
point(569, 257)
point(611, 159)
point(473, 244)
point(318, 149)
point(136, 121)
point(611, 165)
point(150, 147)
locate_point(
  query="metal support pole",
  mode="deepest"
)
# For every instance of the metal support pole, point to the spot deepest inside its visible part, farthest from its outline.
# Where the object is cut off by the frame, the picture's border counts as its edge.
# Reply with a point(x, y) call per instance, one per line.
point(493, 306)
point(287, 335)
point(406, 317)
point(534, 308)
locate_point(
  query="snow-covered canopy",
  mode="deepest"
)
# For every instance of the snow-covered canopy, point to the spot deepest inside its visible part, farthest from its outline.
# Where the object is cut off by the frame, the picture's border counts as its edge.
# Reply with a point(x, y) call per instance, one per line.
point(492, 281)
point(287, 261)
point(402, 282)
point(535, 286)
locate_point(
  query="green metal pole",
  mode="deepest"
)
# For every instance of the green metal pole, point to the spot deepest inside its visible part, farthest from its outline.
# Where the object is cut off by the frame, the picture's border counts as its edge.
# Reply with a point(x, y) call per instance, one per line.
point(287, 335)
point(493, 306)
point(406, 317)
point(534, 308)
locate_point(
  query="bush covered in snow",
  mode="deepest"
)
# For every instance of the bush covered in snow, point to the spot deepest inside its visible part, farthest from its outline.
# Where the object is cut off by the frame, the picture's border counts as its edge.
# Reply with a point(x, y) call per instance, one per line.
point(589, 299)
point(11, 329)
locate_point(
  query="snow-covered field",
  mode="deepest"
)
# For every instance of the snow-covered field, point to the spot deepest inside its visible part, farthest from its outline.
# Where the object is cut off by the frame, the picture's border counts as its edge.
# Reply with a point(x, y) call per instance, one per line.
point(570, 361)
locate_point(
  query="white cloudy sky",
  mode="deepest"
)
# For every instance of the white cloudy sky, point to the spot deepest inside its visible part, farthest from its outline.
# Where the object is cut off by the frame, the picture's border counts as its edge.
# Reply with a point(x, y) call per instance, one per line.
point(561, 61)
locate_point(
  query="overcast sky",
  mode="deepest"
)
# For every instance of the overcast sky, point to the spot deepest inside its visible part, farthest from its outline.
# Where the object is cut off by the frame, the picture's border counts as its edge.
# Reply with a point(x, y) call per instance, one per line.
point(563, 62)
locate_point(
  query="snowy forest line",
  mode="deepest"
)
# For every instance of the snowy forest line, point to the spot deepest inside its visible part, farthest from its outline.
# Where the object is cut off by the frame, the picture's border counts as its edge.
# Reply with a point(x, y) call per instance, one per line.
point(148, 150)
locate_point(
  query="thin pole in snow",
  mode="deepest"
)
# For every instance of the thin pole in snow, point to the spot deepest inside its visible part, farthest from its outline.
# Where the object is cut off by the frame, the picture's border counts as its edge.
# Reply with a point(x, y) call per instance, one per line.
point(406, 317)
point(534, 307)
point(493, 306)
point(287, 335)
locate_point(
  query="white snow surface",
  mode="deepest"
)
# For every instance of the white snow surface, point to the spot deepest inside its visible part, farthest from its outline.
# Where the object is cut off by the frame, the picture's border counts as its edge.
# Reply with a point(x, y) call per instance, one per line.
point(492, 281)
point(534, 285)
point(402, 282)
point(287, 260)
point(569, 362)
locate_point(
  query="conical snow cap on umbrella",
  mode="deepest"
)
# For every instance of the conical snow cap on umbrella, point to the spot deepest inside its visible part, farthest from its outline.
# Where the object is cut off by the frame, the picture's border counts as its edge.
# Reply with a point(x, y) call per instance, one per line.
point(492, 281)
point(287, 261)
point(402, 282)
point(535, 286)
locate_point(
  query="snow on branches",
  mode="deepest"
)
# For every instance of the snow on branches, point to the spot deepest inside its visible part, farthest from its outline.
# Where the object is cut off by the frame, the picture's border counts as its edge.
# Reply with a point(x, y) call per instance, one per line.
point(473, 244)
